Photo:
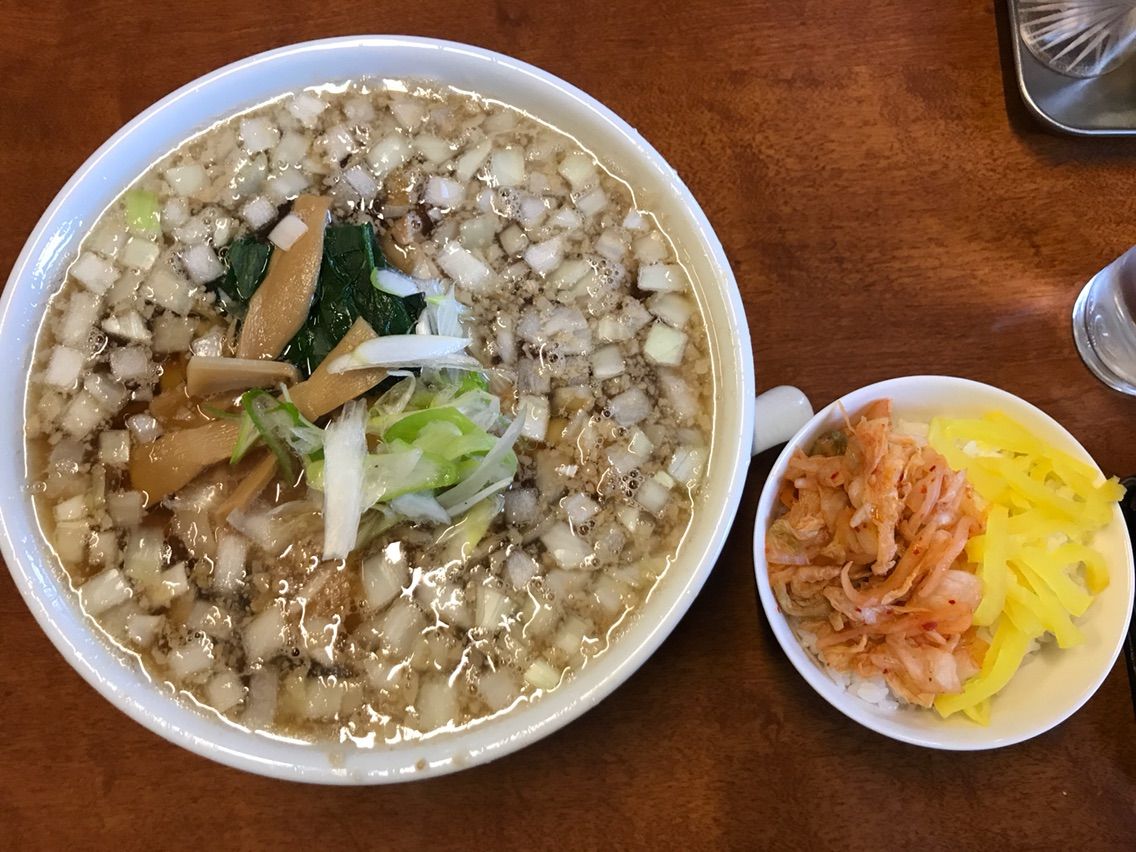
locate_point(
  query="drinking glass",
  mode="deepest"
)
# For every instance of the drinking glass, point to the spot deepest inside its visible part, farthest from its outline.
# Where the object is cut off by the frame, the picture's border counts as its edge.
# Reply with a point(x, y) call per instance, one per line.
point(1104, 327)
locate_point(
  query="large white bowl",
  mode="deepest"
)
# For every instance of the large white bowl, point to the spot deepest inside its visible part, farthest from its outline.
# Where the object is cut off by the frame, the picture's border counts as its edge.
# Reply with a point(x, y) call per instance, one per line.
point(53, 244)
point(1052, 684)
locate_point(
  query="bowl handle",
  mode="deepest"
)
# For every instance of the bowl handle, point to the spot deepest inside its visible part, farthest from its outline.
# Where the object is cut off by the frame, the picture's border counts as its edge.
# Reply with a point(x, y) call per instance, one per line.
point(779, 414)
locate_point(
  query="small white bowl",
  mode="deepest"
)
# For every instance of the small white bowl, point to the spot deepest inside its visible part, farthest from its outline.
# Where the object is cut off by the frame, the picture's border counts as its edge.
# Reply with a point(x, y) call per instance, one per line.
point(1053, 683)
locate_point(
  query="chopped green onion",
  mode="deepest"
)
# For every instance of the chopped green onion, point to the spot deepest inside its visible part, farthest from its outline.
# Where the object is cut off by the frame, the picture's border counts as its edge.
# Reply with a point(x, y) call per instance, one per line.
point(250, 403)
point(219, 413)
point(142, 213)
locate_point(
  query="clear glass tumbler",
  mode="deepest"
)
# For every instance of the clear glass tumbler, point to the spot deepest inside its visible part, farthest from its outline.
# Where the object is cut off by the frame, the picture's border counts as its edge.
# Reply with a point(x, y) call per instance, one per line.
point(1080, 38)
point(1104, 323)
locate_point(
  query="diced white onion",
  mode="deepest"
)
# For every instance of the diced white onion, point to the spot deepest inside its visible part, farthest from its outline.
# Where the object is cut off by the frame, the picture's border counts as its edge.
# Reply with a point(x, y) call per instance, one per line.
point(634, 221)
point(292, 149)
point(592, 202)
point(660, 277)
point(224, 691)
point(93, 272)
point(650, 248)
point(629, 407)
point(286, 184)
point(287, 231)
point(566, 218)
point(544, 257)
point(498, 689)
point(258, 212)
point(169, 290)
point(79, 319)
point(142, 629)
point(130, 364)
point(479, 231)
point(144, 427)
point(580, 508)
point(104, 591)
point(128, 326)
point(531, 212)
point(652, 495)
point(686, 465)
point(520, 568)
point(610, 594)
point(361, 181)
point(388, 154)
point(229, 564)
point(139, 254)
point(671, 308)
point(470, 161)
point(521, 506)
point(211, 345)
point(202, 264)
point(143, 562)
point(344, 452)
point(664, 345)
point(338, 143)
point(359, 110)
point(630, 517)
point(408, 113)
point(437, 703)
point(435, 150)
point(110, 237)
point(82, 415)
point(109, 394)
point(507, 166)
point(114, 447)
point(513, 240)
point(400, 626)
point(610, 245)
point(493, 606)
point(536, 416)
point(125, 508)
point(70, 541)
point(464, 267)
point(190, 659)
point(265, 635)
point(187, 180)
point(306, 107)
point(260, 706)
point(258, 134)
point(607, 362)
point(63, 367)
point(443, 192)
point(71, 509)
point(172, 333)
point(567, 548)
point(579, 170)
point(542, 675)
point(384, 576)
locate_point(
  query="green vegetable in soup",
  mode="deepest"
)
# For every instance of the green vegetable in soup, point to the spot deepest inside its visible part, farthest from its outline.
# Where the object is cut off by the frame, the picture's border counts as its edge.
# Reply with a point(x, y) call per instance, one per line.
point(246, 260)
point(345, 292)
point(142, 214)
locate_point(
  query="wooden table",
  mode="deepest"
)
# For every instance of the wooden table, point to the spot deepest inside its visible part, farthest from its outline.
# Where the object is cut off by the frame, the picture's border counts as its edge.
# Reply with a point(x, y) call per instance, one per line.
point(888, 207)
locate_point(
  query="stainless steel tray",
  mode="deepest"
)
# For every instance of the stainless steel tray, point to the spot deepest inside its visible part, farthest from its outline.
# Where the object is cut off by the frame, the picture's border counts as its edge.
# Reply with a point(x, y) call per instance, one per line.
point(1100, 106)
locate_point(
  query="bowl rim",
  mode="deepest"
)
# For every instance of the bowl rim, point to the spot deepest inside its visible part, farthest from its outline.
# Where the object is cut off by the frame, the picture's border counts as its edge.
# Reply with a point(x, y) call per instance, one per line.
point(853, 707)
point(170, 718)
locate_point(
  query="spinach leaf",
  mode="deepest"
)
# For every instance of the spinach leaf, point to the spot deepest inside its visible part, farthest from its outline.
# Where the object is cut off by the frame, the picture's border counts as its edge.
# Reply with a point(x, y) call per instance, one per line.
point(246, 261)
point(344, 292)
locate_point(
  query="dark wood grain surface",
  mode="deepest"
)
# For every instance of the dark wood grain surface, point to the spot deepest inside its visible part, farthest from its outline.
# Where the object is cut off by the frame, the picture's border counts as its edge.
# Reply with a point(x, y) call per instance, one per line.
point(888, 208)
